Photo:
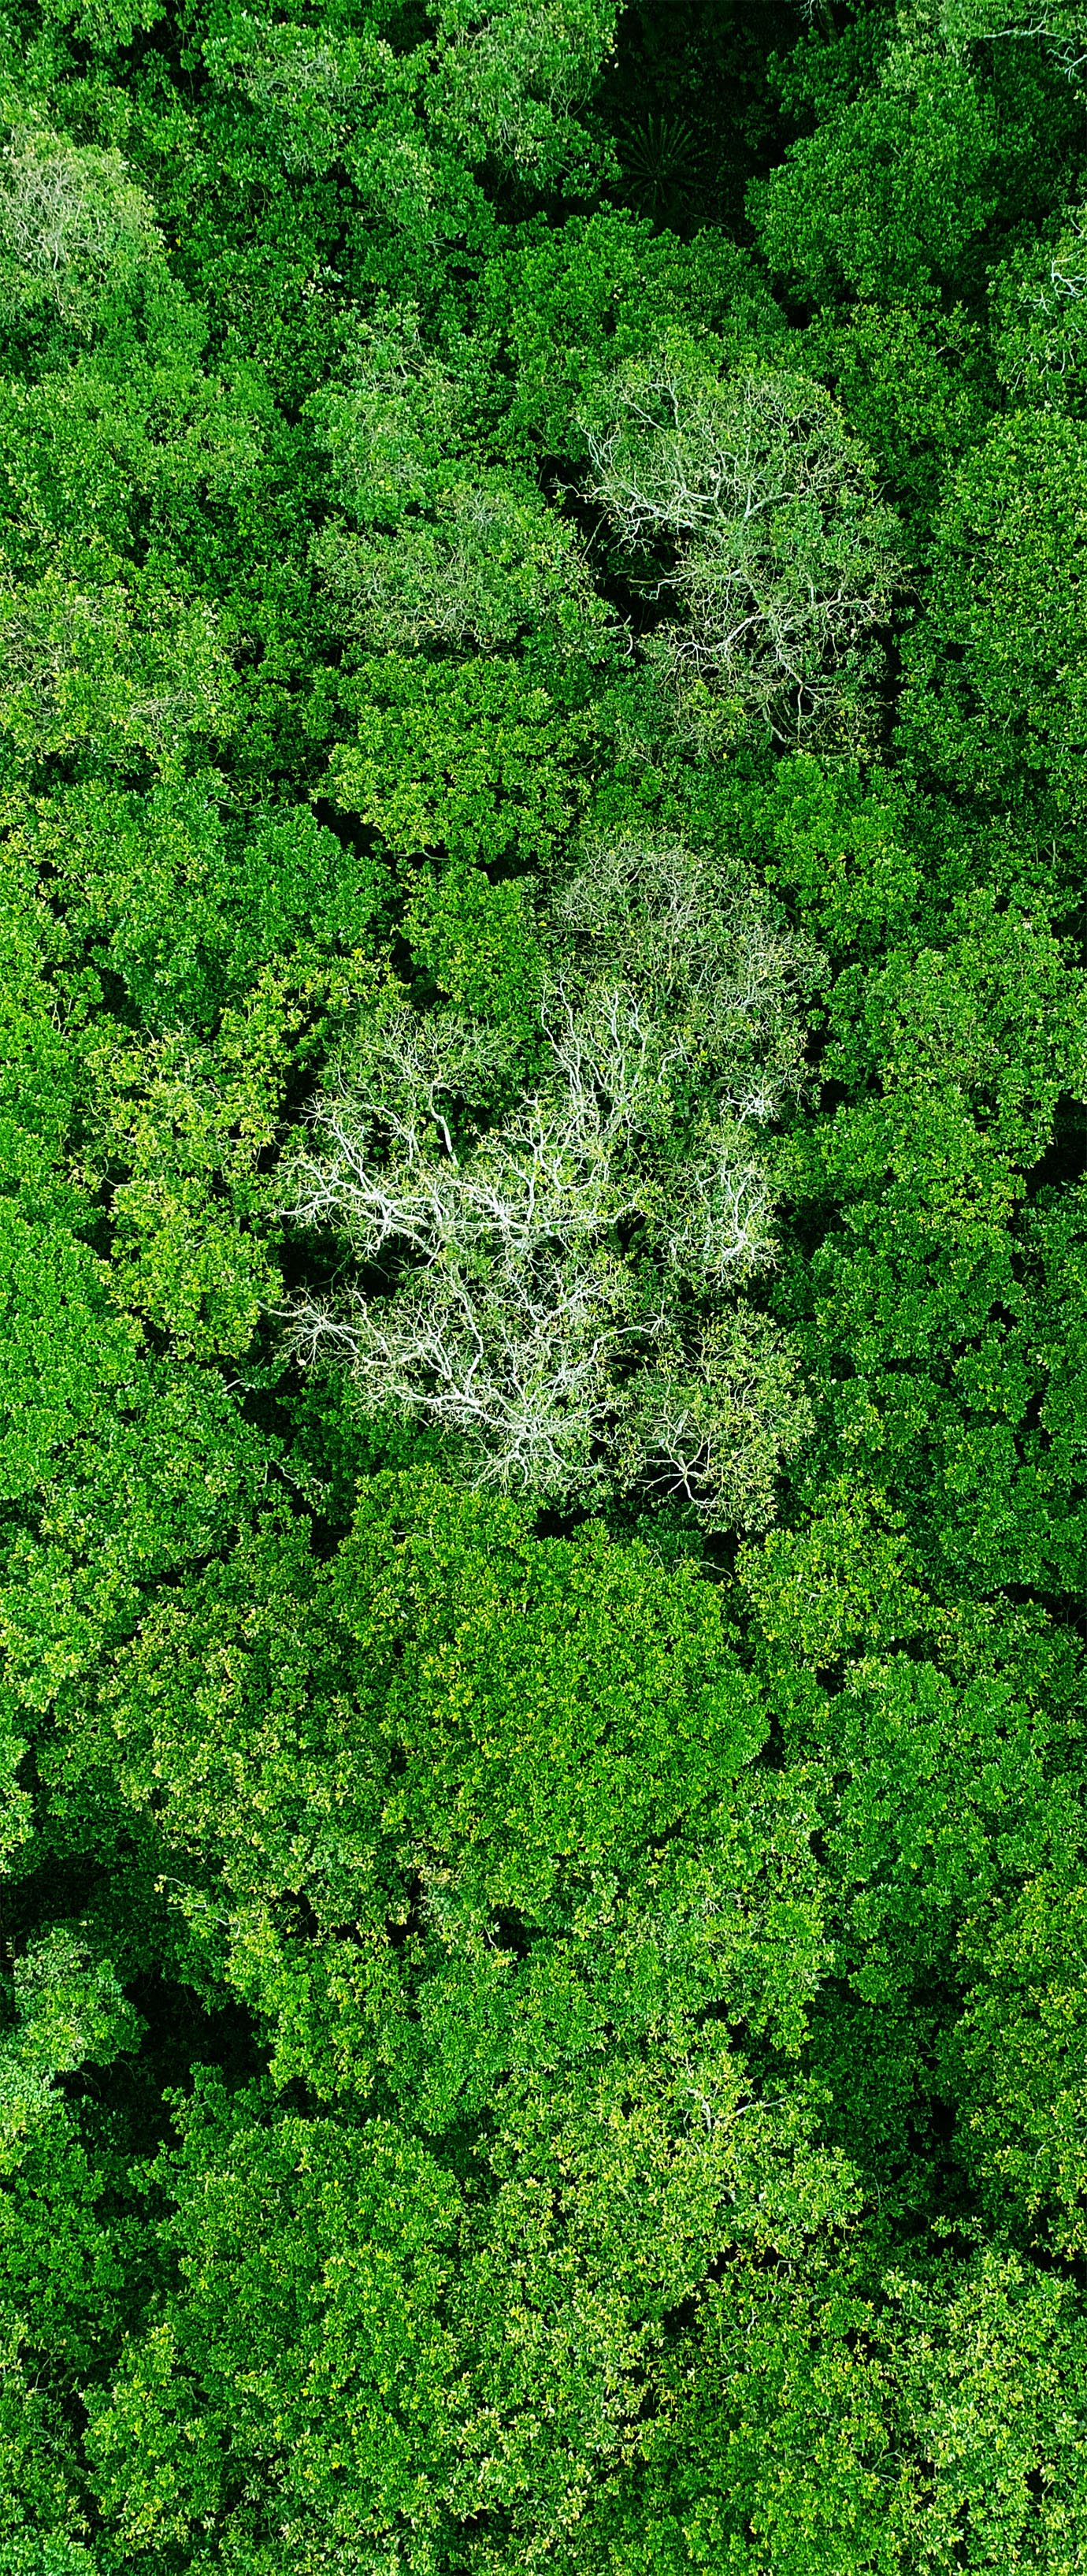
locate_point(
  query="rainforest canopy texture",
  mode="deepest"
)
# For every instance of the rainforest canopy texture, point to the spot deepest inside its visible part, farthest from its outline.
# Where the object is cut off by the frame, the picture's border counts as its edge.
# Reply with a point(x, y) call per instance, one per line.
point(543, 1249)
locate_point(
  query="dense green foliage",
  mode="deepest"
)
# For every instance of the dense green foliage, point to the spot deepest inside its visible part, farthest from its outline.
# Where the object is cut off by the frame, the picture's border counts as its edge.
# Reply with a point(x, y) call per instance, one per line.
point(543, 1241)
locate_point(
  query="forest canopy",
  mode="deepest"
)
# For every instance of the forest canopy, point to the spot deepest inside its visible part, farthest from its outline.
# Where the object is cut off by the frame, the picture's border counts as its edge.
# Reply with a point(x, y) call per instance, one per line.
point(543, 1247)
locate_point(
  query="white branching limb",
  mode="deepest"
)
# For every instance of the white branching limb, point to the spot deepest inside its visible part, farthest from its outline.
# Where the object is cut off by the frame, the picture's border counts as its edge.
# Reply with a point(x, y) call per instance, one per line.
point(779, 617)
point(517, 1363)
point(715, 1423)
point(548, 1175)
point(782, 558)
point(539, 1183)
point(70, 213)
point(721, 1223)
point(1046, 320)
point(1061, 24)
point(538, 1255)
point(684, 451)
point(719, 982)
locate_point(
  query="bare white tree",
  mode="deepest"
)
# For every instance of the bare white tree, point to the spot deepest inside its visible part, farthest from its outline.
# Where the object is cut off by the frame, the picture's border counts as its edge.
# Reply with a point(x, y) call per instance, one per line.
point(70, 216)
point(517, 1361)
point(777, 551)
point(721, 983)
point(541, 1253)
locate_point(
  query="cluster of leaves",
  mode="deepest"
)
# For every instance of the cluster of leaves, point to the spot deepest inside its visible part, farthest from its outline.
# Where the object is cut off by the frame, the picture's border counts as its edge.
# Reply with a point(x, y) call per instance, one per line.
point(543, 1254)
